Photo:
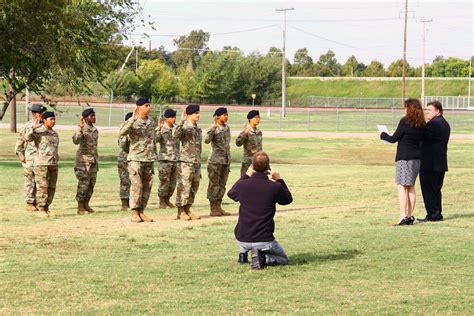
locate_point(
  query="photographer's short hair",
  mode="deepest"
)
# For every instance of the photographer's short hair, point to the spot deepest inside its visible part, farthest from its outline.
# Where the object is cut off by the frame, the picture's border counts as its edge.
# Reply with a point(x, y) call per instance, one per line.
point(437, 105)
point(261, 161)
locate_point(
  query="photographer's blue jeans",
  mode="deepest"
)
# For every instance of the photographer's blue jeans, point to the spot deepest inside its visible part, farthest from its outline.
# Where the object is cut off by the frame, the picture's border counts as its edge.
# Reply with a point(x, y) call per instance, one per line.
point(274, 253)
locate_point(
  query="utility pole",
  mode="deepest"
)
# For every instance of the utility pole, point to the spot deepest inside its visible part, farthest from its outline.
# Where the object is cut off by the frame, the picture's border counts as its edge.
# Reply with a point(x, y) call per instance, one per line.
point(283, 63)
point(423, 66)
point(404, 70)
point(469, 84)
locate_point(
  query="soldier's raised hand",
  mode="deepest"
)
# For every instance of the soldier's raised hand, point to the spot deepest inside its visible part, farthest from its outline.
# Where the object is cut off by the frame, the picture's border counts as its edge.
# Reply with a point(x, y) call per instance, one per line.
point(37, 123)
point(215, 124)
point(135, 113)
point(81, 122)
point(22, 158)
point(160, 122)
point(184, 116)
point(245, 131)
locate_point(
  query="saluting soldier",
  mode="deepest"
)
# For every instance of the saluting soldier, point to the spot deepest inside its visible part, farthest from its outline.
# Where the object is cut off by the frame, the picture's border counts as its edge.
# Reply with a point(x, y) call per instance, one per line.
point(168, 158)
point(189, 164)
point(87, 160)
point(140, 130)
point(122, 166)
point(251, 140)
point(218, 163)
point(26, 152)
point(46, 141)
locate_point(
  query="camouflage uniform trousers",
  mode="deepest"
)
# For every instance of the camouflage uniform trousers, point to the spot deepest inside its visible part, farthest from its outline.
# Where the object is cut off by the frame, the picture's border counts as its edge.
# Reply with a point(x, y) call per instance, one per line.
point(124, 180)
point(189, 176)
point(87, 176)
point(167, 172)
point(29, 185)
point(245, 166)
point(45, 178)
point(218, 175)
point(141, 180)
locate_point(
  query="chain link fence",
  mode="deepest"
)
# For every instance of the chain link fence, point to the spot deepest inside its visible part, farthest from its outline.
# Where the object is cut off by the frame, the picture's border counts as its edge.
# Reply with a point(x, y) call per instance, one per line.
point(324, 119)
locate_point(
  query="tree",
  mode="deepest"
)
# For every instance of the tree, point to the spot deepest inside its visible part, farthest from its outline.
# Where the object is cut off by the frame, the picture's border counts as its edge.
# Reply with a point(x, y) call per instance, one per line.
point(352, 68)
point(123, 83)
point(327, 65)
point(58, 38)
point(374, 69)
point(156, 80)
point(395, 69)
point(303, 63)
point(190, 48)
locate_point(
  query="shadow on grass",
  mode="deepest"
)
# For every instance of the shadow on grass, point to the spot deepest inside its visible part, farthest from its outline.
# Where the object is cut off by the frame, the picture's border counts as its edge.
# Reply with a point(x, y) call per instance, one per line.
point(455, 216)
point(311, 257)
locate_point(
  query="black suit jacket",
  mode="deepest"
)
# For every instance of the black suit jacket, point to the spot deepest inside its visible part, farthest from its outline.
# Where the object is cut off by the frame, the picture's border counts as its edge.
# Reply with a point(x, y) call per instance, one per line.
point(257, 196)
point(434, 148)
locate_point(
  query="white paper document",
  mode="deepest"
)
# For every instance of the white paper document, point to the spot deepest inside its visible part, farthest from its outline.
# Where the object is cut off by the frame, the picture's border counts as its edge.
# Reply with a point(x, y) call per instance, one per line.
point(383, 128)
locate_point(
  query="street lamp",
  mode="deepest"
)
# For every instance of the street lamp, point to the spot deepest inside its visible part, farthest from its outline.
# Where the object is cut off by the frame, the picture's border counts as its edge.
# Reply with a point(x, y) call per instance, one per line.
point(253, 95)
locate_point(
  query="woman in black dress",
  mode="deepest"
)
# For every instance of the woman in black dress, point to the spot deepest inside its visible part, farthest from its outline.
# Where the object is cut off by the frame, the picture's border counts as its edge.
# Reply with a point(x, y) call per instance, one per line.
point(409, 134)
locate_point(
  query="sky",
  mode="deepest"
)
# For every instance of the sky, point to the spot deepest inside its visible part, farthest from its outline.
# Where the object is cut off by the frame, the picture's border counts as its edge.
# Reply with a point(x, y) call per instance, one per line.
point(370, 30)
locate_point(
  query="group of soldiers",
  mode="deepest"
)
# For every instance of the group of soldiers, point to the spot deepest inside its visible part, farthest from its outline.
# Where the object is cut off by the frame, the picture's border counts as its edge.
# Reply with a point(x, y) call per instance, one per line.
point(179, 159)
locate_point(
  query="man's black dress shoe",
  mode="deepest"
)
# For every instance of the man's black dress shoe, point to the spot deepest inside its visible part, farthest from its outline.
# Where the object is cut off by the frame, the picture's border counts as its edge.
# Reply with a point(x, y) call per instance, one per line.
point(243, 258)
point(429, 219)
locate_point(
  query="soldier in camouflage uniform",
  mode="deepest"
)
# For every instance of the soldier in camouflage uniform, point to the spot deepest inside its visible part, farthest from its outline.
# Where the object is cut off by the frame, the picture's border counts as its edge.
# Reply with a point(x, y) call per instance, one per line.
point(218, 163)
point(168, 158)
point(140, 130)
point(26, 151)
point(189, 165)
point(46, 141)
point(251, 140)
point(87, 160)
point(122, 166)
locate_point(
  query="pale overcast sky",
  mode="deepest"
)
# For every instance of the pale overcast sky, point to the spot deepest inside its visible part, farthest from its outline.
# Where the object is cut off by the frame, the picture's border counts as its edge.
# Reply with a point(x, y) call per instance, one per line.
point(367, 29)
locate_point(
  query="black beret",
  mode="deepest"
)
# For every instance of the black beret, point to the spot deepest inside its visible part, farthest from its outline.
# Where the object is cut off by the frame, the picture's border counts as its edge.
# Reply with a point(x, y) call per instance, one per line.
point(37, 107)
point(128, 115)
point(169, 113)
point(220, 111)
point(48, 114)
point(192, 108)
point(252, 114)
point(87, 112)
point(143, 101)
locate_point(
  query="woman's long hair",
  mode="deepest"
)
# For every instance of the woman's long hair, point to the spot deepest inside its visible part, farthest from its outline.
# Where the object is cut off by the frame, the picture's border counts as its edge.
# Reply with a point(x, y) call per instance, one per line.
point(415, 115)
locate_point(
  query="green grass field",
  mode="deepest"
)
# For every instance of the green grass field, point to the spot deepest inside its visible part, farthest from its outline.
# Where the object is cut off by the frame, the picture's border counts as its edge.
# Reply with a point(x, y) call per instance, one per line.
point(345, 257)
point(376, 88)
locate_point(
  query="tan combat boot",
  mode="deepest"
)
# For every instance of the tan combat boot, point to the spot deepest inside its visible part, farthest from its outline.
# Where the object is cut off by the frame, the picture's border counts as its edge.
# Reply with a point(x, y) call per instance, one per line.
point(125, 205)
point(167, 201)
point(214, 210)
point(81, 208)
point(219, 207)
point(136, 216)
point(163, 203)
point(144, 217)
point(31, 207)
point(193, 216)
point(42, 211)
point(182, 214)
point(88, 208)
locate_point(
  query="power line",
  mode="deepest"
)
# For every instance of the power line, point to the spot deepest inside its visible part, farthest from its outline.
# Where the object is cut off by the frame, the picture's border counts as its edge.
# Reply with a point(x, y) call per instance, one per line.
point(210, 34)
point(323, 38)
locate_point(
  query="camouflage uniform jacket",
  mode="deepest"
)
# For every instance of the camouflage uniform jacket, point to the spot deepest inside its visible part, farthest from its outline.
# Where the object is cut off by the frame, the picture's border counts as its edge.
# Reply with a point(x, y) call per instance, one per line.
point(190, 136)
point(169, 147)
point(252, 143)
point(124, 145)
point(46, 143)
point(142, 140)
point(24, 147)
point(219, 137)
point(87, 139)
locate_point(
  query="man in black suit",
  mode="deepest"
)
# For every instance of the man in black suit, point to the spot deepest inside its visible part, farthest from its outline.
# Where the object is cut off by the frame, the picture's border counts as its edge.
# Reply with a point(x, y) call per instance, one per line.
point(434, 161)
point(257, 196)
